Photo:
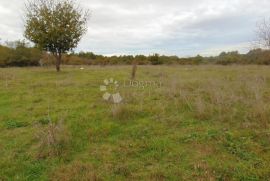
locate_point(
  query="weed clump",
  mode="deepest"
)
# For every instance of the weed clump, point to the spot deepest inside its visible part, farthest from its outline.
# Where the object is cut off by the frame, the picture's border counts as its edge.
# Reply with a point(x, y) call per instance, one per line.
point(13, 124)
point(53, 140)
point(75, 171)
point(120, 111)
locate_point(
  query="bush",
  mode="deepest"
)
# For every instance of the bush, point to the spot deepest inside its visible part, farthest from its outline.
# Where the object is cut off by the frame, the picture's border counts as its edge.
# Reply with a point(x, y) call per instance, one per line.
point(19, 53)
point(229, 58)
point(53, 140)
point(4, 55)
point(155, 59)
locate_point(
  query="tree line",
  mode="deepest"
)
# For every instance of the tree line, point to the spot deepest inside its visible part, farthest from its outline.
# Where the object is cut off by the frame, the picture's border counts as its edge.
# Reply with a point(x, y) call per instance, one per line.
point(20, 53)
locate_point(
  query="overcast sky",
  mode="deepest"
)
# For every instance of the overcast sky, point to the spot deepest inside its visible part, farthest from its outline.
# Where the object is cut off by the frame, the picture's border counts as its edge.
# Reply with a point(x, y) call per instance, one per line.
point(172, 27)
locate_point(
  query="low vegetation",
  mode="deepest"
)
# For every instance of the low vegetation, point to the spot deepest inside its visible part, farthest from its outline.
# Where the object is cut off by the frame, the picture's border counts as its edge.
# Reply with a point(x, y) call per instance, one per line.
point(20, 53)
point(204, 122)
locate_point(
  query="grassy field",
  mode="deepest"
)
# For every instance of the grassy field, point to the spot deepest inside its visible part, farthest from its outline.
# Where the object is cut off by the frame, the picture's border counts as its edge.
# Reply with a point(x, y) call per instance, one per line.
point(202, 123)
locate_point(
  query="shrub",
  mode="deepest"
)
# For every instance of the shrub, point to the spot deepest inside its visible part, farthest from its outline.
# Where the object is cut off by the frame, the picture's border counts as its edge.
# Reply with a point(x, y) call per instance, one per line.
point(53, 140)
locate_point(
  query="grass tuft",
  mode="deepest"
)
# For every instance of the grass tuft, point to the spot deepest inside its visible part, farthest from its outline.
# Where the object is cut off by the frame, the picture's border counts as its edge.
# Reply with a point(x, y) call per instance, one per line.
point(53, 140)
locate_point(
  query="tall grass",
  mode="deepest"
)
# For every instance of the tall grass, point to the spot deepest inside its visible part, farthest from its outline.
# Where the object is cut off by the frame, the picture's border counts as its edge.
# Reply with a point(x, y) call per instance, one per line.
point(203, 123)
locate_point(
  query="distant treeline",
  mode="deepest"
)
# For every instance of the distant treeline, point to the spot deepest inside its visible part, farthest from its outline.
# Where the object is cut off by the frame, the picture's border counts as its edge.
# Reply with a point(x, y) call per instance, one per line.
point(20, 53)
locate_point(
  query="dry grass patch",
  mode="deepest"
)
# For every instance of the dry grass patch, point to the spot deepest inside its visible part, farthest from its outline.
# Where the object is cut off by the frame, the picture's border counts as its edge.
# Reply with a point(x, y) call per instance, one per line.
point(120, 111)
point(53, 140)
point(76, 171)
point(202, 172)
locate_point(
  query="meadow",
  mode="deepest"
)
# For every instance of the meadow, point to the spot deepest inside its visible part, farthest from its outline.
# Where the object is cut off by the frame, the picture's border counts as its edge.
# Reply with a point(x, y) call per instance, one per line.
point(203, 122)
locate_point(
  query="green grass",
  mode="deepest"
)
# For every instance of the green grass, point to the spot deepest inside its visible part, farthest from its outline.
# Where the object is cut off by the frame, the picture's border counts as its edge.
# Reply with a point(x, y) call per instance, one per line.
point(203, 123)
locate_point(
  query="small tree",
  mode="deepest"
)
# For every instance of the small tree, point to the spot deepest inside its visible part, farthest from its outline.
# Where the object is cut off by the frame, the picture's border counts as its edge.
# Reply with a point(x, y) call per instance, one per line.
point(263, 33)
point(55, 26)
point(155, 59)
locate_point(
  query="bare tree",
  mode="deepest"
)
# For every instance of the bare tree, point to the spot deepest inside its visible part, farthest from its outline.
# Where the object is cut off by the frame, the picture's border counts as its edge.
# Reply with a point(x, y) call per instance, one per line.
point(263, 33)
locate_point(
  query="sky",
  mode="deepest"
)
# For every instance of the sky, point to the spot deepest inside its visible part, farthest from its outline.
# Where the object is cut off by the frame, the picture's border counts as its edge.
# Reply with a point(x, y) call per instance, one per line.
point(170, 27)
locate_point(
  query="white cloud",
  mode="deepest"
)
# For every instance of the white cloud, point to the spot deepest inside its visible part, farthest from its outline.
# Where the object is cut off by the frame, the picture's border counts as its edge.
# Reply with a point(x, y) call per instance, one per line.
point(146, 26)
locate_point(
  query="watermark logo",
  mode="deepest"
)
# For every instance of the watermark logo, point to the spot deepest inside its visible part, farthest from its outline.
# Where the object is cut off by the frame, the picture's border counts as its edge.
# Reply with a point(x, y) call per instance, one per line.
point(110, 89)
point(142, 84)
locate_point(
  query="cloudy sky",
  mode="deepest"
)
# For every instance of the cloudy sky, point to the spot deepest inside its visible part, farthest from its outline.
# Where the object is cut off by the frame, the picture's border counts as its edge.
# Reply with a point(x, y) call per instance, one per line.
point(171, 27)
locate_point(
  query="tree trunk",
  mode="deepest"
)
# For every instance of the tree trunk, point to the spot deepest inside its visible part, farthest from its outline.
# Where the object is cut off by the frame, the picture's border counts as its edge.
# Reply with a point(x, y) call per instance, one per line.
point(134, 69)
point(58, 62)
